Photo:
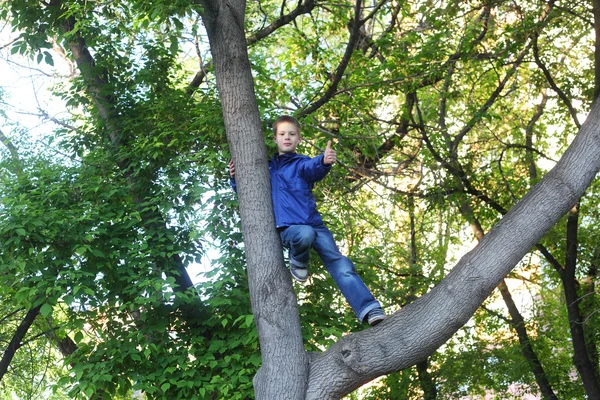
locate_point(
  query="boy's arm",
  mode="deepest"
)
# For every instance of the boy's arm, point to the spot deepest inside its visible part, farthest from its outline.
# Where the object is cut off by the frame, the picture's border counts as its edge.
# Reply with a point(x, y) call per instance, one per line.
point(318, 167)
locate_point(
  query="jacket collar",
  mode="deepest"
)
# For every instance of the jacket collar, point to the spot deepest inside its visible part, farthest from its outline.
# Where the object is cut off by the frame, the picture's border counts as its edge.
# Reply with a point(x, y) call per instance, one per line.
point(285, 156)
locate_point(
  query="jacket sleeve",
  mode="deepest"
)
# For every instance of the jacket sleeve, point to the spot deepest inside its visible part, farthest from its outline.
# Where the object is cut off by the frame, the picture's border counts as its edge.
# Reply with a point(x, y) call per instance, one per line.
point(313, 169)
point(233, 185)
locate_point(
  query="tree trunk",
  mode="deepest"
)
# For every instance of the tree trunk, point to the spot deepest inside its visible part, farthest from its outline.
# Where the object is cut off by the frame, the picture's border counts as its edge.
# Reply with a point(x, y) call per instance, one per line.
point(409, 335)
point(589, 310)
point(284, 369)
point(596, 11)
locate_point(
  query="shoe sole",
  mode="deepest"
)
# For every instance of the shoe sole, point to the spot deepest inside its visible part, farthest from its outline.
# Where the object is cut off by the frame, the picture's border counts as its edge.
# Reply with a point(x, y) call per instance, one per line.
point(296, 277)
point(376, 321)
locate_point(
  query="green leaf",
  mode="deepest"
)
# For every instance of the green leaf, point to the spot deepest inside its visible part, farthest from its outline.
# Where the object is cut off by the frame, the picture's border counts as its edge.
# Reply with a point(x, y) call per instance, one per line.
point(46, 310)
point(48, 58)
point(78, 337)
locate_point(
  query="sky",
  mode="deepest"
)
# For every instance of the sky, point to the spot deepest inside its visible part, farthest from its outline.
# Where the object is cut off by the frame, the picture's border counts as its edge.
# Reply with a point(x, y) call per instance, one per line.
point(25, 91)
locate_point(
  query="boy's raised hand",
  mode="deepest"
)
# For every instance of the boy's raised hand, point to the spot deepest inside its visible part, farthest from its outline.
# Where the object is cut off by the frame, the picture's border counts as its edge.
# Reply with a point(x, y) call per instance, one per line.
point(329, 156)
point(231, 169)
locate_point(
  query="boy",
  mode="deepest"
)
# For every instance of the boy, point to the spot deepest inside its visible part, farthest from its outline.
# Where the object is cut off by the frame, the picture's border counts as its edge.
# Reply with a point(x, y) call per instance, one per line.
point(299, 223)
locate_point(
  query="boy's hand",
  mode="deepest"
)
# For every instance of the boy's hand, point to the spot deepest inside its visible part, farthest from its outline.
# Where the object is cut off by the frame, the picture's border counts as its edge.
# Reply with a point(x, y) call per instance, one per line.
point(329, 156)
point(231, 169)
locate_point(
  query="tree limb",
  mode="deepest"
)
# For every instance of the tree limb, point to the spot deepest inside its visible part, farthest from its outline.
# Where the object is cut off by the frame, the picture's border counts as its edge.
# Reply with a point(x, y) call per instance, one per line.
point(516, 321)
point(17, 339)
point(416, 331)
point(341, 68)
point(580, 354)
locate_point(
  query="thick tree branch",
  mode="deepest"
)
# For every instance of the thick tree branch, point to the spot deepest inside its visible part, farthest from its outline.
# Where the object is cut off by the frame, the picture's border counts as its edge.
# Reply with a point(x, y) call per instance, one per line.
point(17, 339)
point(416, 331)
point(274, 303)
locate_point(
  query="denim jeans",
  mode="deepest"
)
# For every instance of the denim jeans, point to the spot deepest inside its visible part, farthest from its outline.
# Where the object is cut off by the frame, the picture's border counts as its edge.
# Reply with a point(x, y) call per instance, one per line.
point(300, 238)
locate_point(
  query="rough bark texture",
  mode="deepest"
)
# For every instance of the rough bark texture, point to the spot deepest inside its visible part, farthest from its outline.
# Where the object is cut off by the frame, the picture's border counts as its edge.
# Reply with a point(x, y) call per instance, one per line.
point(413, 333)
point(283, 373)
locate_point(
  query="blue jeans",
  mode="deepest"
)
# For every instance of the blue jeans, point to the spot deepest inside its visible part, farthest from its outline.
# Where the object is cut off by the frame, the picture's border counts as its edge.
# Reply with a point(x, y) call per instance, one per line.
point(300, 238)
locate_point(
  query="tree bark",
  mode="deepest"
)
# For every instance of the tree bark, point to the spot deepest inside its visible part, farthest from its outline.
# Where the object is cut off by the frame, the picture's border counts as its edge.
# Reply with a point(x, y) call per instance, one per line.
point(284, 369)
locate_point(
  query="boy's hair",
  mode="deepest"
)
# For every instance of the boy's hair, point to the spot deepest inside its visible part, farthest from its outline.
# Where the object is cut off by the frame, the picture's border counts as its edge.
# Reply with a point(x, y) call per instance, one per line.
point(286, 118)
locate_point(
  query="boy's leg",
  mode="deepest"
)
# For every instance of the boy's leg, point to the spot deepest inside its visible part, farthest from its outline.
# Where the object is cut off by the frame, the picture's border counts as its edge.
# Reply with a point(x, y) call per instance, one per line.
point(344, 274)
point(298, 239)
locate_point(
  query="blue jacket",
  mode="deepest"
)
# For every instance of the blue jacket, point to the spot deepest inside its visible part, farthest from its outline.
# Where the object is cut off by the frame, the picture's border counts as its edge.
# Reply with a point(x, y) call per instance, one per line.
point(292, 179)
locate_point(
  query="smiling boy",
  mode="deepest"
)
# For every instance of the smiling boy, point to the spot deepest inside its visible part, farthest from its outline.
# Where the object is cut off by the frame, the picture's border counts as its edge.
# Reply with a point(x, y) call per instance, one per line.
point(299, 223)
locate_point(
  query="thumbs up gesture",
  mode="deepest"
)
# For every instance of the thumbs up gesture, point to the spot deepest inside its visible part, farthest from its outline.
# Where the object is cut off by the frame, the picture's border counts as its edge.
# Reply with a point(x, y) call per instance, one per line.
point(329, 156)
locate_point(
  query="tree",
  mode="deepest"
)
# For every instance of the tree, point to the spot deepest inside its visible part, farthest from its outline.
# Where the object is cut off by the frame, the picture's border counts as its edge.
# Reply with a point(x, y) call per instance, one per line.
point(431, 319)
point(106, 239)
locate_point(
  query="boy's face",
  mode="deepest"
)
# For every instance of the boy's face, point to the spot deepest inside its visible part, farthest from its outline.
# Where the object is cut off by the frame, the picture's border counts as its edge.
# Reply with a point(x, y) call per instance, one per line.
point(287, 137)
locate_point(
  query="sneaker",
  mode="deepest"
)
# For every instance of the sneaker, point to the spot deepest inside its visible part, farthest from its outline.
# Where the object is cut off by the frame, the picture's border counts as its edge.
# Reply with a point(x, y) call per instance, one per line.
point(375, 316)
point(299, 273)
